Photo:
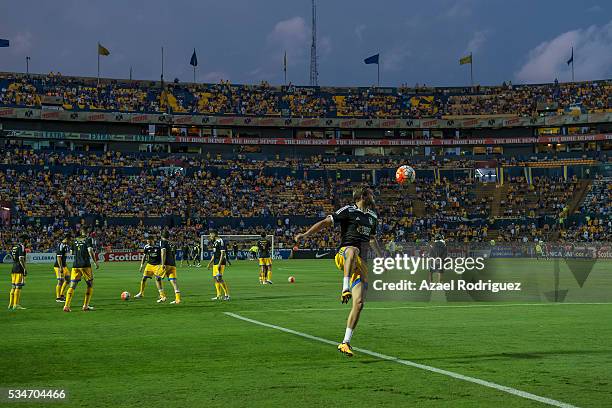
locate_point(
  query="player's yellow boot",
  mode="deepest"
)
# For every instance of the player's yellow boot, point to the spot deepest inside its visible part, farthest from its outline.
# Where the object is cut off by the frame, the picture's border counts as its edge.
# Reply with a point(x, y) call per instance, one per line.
point(177, 298)
point(345, 348)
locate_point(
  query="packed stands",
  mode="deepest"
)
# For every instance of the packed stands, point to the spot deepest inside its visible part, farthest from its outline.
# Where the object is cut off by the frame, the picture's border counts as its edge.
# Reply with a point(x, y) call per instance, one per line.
point(50, 192)
point(265, 100)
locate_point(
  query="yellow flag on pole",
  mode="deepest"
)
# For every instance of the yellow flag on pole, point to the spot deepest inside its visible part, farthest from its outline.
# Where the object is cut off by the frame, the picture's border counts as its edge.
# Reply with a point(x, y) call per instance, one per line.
point(466, 60)
point(103, 50)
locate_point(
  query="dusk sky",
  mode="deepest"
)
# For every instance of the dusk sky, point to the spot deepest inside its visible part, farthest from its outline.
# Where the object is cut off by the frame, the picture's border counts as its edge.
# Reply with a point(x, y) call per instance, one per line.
point(244, 40)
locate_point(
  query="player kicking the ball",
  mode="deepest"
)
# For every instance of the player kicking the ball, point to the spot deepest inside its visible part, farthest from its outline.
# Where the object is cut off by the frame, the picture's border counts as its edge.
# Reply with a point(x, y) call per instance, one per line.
point(358, 224)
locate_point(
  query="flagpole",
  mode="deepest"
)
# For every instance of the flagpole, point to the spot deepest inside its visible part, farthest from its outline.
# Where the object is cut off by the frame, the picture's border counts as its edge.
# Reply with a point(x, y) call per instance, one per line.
point(572, 64)
point(194, 74)
point(98, 52)
point(472, 69)
point(162, 66)
point(378, 73)
point(285, 67)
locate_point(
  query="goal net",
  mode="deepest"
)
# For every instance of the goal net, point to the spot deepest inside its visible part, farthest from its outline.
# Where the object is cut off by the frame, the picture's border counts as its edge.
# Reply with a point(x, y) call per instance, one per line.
point(237, 246)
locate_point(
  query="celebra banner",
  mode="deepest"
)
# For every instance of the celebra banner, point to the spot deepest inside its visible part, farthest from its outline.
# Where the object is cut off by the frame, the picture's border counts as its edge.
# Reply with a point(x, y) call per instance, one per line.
point(449, 122)
point(44, 257)
point(307, 142)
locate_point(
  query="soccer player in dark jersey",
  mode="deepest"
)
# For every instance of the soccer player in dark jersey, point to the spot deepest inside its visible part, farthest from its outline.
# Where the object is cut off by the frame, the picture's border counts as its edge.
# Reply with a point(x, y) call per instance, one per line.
point(437, 250)
point(358, 224)
point(265, 260)
point(62, 273)
point(18, 272)
point(167, 268)
point(218, 260)
point(83, 250)
point(195, 254)
point(186, 254)
point(148, 265)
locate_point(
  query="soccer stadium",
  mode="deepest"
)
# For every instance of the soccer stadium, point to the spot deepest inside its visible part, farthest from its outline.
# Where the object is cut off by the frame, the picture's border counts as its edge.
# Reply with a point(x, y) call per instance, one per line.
point(192, 243)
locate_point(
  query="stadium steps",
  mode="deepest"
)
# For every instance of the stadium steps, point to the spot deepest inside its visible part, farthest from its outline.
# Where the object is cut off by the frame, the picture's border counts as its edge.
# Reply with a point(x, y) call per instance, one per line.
point(418, 206)
point(496, 192)
point(579, 198)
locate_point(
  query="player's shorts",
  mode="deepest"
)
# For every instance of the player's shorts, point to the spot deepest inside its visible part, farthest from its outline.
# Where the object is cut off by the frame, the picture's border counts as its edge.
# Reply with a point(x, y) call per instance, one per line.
point(17, 279)
point(359, 271)
point(77, 273)
point(64, 275)
point(218, 270)
point(170, 272)
point(265, 261)
point(149, 270)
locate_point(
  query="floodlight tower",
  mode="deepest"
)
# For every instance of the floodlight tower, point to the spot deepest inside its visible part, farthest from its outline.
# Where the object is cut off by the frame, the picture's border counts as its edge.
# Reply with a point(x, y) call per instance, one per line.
point(314, 70)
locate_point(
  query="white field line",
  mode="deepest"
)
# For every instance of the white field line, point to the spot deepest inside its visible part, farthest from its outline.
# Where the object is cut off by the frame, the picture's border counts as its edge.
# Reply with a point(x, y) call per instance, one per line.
point(503, 388)
point(331, 309)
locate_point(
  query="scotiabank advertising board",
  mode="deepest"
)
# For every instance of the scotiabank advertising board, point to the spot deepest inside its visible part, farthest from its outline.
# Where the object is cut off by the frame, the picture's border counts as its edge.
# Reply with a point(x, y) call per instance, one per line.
point(121, 256)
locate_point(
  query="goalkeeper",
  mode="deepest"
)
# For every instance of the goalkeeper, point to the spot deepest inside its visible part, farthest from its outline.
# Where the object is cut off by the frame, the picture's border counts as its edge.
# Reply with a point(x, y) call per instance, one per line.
point(358, 224)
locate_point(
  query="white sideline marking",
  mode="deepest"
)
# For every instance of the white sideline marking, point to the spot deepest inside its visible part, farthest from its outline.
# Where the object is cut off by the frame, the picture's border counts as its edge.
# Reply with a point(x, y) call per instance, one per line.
point(421, 307)
point(503, 388)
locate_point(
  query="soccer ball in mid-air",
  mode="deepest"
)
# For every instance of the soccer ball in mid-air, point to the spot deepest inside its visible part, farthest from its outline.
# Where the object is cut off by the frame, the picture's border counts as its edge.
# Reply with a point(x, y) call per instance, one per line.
point(291, 279)
point(405, 174)
point(125, 295)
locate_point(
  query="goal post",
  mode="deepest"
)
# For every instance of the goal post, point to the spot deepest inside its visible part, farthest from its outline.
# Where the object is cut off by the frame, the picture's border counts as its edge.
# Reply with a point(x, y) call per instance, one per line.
point(244, 241)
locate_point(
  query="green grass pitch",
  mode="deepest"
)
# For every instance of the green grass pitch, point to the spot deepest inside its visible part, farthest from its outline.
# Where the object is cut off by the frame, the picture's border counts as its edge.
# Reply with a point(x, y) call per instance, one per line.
point(140, 353)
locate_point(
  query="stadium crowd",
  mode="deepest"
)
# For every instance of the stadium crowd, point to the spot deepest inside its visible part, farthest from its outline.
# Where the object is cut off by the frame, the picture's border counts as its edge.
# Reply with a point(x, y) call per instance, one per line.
point(265, 100)
point(40, 186)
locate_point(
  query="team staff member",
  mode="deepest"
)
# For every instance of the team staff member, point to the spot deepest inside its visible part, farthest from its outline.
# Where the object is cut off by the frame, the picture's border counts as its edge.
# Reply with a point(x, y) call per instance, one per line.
point(439, 251)
point(186, 254)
